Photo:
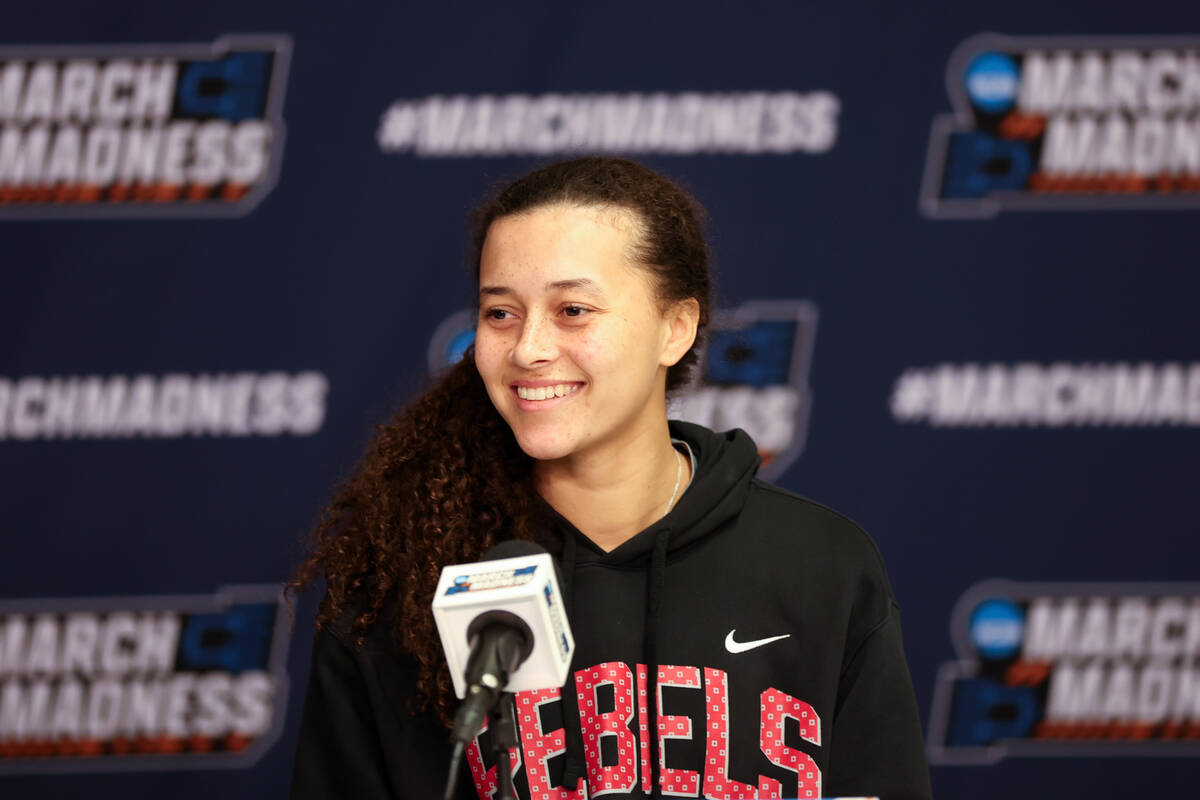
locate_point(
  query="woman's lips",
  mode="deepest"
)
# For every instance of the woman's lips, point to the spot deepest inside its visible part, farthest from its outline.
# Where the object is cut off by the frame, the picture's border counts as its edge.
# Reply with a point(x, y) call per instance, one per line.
point(547, 392)
point(544, 395)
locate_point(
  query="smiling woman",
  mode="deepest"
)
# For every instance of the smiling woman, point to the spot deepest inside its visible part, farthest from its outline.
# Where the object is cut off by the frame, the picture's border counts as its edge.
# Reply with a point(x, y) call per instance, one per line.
point(593, 299)
point(574, 346)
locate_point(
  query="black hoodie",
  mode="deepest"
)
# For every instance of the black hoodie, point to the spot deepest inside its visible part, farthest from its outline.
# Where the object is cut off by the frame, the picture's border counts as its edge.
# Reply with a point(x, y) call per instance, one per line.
point(781, 669)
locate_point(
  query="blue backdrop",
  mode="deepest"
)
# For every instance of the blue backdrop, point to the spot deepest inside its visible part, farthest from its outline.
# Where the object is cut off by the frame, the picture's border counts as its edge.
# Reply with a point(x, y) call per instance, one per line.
point(985, 354)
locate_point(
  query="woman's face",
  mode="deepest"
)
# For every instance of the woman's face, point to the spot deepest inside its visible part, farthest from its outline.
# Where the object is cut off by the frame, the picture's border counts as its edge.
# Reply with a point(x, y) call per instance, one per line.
point(571, 344)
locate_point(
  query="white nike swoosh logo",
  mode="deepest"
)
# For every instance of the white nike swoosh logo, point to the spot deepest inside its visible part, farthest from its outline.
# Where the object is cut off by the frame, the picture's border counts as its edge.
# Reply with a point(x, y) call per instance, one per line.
point(741, 647)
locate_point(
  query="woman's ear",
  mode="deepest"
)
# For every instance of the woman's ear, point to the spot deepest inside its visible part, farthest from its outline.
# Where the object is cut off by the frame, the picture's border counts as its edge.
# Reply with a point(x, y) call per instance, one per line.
point(682, 321)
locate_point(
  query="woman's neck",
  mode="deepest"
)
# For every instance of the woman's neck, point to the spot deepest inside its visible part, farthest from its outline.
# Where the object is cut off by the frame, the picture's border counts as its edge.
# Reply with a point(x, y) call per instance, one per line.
point(612, 493)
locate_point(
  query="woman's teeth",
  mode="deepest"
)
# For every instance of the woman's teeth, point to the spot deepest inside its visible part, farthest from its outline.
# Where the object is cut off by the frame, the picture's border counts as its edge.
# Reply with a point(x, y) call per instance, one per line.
point(547, 392)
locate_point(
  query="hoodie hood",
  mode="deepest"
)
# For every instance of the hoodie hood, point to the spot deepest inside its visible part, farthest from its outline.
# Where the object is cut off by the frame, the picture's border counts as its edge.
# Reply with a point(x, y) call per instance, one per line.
point(725, 465)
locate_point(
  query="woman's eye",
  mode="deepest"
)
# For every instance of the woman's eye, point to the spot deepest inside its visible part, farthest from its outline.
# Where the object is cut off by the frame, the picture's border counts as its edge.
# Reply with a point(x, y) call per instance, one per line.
point(574, 311)
point(496, 313)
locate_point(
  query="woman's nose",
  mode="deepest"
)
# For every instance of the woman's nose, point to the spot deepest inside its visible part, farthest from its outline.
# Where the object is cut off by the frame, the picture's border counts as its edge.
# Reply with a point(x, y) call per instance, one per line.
point(536, 343)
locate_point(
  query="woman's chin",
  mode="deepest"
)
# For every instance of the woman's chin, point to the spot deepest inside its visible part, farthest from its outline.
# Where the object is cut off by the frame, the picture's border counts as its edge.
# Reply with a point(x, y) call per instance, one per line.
point(542, 447)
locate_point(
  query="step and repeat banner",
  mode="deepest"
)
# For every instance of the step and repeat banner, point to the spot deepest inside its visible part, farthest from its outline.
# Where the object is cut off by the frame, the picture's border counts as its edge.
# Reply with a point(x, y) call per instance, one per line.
point(957, 278)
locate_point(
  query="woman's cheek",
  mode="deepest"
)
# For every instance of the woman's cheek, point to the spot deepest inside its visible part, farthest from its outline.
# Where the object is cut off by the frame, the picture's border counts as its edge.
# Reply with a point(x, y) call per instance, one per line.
point(488, 354)
point(590, 351)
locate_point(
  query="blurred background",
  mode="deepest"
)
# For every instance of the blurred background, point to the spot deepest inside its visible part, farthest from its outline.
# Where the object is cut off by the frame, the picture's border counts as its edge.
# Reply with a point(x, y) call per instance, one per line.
point(956, 261)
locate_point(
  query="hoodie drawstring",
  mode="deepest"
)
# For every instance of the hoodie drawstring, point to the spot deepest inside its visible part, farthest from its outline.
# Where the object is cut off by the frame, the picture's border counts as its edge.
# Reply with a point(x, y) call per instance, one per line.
point(576, 766)
point(654, 594)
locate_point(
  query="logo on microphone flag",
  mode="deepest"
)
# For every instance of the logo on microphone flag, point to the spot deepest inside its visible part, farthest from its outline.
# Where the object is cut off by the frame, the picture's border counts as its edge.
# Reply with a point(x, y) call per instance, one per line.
point(522, 586)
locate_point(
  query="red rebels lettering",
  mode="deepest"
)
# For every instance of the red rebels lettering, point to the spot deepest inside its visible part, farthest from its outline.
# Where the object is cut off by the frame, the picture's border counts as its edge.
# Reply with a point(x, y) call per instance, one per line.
point(684, 782)
point(485, 780)
point(717, 782)
point(621, 776)
point(540, 747)
point(776, 708)
point(643, 678)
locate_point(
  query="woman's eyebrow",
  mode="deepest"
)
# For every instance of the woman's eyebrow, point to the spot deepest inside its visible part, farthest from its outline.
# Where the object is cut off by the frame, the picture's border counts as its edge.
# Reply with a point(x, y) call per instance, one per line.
point(583, 284)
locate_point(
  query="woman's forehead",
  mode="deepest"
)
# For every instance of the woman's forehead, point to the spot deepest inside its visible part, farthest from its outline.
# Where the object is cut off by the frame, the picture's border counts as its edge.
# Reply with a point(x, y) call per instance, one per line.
point(569, 218)
point(559, 244)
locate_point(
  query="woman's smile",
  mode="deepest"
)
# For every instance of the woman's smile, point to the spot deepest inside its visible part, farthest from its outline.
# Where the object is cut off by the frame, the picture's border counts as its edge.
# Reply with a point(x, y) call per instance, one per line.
point(540, 396)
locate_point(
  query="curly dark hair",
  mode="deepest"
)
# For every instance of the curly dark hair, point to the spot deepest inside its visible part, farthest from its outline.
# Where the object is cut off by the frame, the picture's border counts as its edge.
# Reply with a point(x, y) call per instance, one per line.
point(444, 480)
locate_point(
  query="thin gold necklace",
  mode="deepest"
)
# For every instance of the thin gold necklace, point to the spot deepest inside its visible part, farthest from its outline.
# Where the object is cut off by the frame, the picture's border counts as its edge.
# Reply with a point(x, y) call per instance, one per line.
point(678, 475)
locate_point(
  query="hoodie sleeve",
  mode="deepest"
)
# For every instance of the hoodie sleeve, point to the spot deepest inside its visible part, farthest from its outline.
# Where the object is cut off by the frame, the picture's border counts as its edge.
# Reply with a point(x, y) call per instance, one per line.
point(339, 753)
point(877, 744)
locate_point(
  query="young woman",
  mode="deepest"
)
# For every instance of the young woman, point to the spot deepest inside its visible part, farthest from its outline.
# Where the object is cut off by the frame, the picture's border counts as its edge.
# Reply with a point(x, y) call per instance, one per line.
point(733, 640)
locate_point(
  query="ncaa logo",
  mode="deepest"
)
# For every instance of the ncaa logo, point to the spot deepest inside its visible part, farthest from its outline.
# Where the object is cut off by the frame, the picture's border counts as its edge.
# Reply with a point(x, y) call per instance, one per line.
point(997, 627)
point(753, 374)
point(451, 339)
point(992, 80)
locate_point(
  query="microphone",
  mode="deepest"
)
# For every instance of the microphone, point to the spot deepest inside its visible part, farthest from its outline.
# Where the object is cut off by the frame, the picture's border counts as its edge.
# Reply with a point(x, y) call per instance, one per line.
point(503, 628)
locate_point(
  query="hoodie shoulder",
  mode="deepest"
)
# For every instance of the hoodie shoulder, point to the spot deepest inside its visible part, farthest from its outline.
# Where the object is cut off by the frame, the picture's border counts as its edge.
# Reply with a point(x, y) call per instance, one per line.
point(378, 638)
point(815, 523)
point(840, 561)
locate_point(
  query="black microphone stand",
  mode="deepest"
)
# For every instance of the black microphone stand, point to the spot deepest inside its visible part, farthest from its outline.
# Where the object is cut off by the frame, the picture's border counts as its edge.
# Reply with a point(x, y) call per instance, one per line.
point(502, 722)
